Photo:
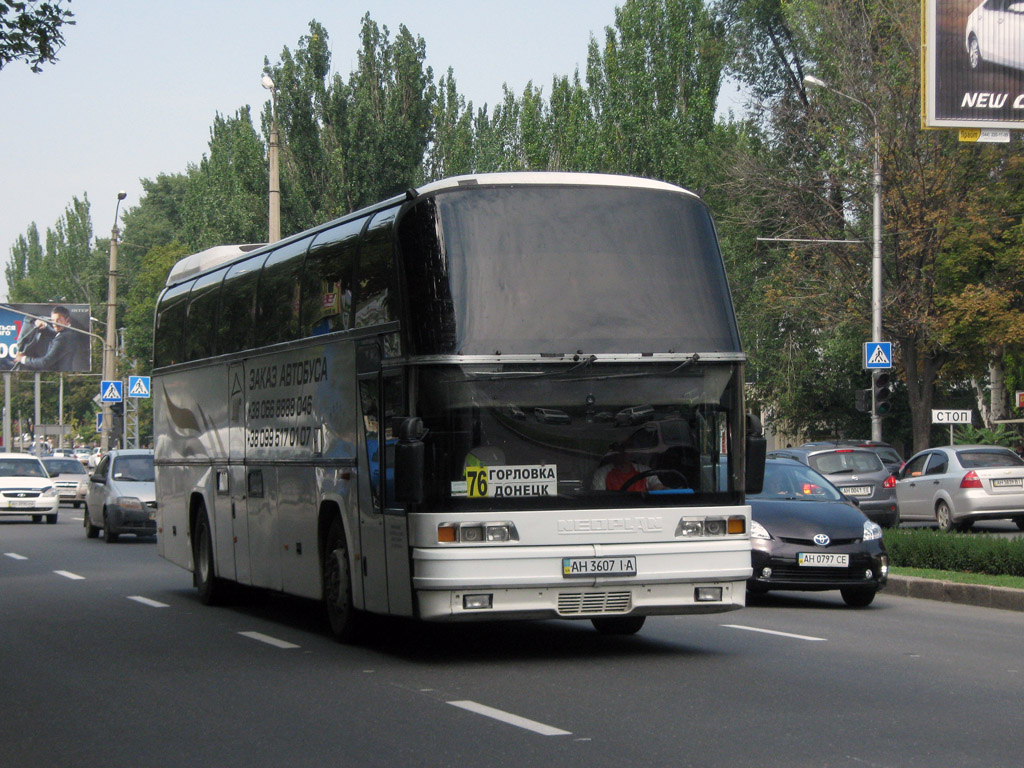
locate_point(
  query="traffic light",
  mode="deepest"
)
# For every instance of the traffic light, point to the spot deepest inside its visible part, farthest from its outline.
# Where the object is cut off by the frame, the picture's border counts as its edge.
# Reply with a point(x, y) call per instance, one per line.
point(864, 400)
point(882, 392)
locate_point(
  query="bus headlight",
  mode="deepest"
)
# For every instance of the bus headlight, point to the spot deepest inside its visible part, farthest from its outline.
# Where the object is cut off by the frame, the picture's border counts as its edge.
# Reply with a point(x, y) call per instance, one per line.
point(694, 527)
point(477, 533)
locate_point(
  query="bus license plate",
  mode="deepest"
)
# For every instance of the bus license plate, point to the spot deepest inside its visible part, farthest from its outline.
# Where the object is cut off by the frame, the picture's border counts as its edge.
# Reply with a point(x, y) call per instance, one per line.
point(822, 560)
point(599, 566)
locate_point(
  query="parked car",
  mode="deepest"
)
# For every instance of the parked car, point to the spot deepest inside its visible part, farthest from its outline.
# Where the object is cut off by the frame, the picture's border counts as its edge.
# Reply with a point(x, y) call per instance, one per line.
point(890, 456)
point(805, 535)
point(956, 485)
point(857, 473)
point(637, 414)
point(551, 416)
point(26, 488)
point(994, 32)
point(121, 496)
point(69, 477)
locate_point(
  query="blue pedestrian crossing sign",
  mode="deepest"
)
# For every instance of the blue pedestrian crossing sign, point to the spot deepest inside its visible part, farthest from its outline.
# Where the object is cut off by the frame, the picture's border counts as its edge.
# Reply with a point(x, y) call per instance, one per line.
point(111, 391)
point(138, 386)
point(877, 354)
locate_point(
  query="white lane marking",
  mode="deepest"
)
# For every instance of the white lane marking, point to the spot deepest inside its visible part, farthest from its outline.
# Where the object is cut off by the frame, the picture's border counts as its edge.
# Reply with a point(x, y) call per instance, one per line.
point(506, 717)
point(69, 575)
point(780, 634)
point(15, 556)
point(268, 640)
point(147, 601)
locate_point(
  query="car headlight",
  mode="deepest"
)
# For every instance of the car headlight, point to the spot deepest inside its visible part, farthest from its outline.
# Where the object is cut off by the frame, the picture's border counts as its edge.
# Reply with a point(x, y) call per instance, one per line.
point(129, 503)
point(49, 491)
point(758, 531)
point(872, 531)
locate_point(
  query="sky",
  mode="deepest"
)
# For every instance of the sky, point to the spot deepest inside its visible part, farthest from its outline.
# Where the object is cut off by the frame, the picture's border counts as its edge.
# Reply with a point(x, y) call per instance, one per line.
point(139, 82)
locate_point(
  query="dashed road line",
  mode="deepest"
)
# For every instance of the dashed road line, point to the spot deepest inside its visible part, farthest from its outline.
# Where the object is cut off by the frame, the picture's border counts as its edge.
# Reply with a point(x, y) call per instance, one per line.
point(15, 556)
point(147, 601)
point(780, 634)
point(70, 575)
point(269, 640)
point(507, 717)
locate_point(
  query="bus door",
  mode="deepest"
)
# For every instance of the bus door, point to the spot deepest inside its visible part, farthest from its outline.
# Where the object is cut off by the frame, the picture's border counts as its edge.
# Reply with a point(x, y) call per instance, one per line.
point(383, 531)
point(234, 481)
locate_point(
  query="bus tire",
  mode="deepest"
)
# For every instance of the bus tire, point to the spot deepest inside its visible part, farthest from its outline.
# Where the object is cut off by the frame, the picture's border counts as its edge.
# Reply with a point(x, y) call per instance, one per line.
point(337, 586)
point(618, 625)
point(207, 584)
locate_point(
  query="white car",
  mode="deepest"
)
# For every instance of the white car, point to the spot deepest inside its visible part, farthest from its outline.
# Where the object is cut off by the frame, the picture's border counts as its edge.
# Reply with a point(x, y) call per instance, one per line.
point(121, 497)
point(995, 33)
point(26, 488)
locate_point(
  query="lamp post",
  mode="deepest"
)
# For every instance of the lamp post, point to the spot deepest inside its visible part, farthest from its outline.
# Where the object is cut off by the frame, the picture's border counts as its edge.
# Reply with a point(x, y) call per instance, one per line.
point(109, 360)
point(876, 260)
point(274, 233)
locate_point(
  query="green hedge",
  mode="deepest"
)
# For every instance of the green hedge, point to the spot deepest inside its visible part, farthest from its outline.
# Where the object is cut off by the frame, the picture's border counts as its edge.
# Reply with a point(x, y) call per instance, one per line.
point(969, 553)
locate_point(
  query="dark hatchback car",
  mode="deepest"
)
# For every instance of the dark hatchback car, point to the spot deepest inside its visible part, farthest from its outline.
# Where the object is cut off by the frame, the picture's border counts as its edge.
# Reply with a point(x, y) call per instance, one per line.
point(805, 535)
point(858, 473)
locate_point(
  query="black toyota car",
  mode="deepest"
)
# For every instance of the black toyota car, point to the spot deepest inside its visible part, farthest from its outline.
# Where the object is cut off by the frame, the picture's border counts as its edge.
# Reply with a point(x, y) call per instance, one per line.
point(806, 535)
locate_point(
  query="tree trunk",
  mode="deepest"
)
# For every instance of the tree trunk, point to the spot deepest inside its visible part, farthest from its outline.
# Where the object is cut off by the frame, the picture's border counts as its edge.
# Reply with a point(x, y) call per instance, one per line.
point(921, 370)
point(997, 385)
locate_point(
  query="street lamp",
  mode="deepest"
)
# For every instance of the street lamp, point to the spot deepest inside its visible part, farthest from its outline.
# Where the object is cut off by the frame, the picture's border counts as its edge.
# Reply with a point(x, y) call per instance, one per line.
point(876, 260)
point(109, 362)
point(275, 180)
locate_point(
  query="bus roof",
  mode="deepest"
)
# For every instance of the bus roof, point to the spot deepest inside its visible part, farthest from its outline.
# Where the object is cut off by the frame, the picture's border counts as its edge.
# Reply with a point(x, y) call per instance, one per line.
point(203, 261)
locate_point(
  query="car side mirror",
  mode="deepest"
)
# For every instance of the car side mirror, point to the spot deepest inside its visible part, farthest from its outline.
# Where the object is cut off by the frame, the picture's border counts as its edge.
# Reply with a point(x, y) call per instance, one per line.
point(410, 461)
point(756, 450)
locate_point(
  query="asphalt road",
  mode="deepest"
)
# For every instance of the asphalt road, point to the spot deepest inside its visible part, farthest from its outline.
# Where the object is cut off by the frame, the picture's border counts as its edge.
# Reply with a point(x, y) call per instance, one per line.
point(107, 659)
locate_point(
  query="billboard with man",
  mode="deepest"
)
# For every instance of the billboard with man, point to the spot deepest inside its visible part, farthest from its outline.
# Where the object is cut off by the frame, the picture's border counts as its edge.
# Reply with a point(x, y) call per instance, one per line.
point(45, 337)
point(973, 64)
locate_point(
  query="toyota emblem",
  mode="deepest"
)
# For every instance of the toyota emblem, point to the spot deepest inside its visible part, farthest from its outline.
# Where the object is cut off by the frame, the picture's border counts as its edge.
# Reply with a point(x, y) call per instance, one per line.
point(822, 539)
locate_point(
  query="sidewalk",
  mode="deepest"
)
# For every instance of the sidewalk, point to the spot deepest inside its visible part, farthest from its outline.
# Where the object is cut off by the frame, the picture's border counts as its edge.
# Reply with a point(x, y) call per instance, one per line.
point(951, 592)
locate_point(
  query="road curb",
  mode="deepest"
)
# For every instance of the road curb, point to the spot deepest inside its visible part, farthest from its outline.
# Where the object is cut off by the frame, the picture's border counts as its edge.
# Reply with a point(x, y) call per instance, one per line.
point(1004, 598)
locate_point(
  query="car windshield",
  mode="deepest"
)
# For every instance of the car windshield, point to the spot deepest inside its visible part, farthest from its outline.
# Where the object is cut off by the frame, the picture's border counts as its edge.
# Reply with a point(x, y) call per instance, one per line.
point(792, 481)
point(13, 468)
point(845, 462)
point(134, 468)
point(64, 466)
point(998, 457)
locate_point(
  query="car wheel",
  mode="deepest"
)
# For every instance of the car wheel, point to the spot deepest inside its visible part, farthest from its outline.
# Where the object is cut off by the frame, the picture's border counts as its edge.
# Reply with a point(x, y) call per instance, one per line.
point(1019, 522)
point(858, 597)
point(974, 52)
point(618, 625)
point(108, 534)
point(37, 518)
point(51, 519)
point(944, 517)
point(342, 616)
point(91, 531)
point(211, 589)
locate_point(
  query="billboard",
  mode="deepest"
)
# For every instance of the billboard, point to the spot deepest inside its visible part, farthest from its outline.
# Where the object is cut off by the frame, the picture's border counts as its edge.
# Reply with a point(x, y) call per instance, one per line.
point(973, 64)
point(45, 337)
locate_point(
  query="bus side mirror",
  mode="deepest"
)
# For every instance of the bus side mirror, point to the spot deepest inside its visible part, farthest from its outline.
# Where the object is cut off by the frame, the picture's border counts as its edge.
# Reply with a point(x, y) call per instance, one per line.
point(757, 448)
point(410, 461)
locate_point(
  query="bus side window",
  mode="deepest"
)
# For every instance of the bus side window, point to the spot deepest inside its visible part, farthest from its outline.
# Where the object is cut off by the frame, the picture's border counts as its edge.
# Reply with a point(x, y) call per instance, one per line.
point(376, 292)
point(170, 320)
point(201, 316)
point(327, 279)
point(239, 294)
point(369, 400)
point(277, 306)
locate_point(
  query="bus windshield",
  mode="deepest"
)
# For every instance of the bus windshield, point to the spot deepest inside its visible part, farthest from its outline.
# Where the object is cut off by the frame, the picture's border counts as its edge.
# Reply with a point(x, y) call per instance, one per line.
point(561, 269)
point(603, 434)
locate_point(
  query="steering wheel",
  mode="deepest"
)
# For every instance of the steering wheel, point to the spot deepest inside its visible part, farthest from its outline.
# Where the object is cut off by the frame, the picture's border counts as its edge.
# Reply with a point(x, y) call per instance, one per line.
point(658, 472)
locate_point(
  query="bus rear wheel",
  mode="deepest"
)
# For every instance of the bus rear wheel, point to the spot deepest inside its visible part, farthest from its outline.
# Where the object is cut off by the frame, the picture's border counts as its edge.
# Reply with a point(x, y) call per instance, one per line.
point(203, 577)
point(618, 625)
point(337, 586)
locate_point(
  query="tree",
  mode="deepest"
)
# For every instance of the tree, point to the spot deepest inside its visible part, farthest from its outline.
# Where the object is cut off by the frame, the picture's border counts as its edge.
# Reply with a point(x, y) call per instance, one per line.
point(32, 31)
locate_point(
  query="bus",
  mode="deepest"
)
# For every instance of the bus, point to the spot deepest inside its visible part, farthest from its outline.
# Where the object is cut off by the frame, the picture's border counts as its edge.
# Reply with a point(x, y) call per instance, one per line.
point(496, 396)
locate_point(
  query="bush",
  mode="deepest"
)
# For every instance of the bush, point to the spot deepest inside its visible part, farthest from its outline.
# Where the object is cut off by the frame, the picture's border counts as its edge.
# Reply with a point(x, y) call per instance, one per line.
point(968, 553)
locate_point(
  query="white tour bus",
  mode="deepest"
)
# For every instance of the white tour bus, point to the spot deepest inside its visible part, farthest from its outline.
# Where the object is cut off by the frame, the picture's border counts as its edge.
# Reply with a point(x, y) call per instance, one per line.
point(497, 396)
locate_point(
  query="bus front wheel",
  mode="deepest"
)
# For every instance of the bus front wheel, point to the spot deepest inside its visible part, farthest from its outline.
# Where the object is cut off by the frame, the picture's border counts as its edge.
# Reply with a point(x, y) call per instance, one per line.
point(337, 586)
